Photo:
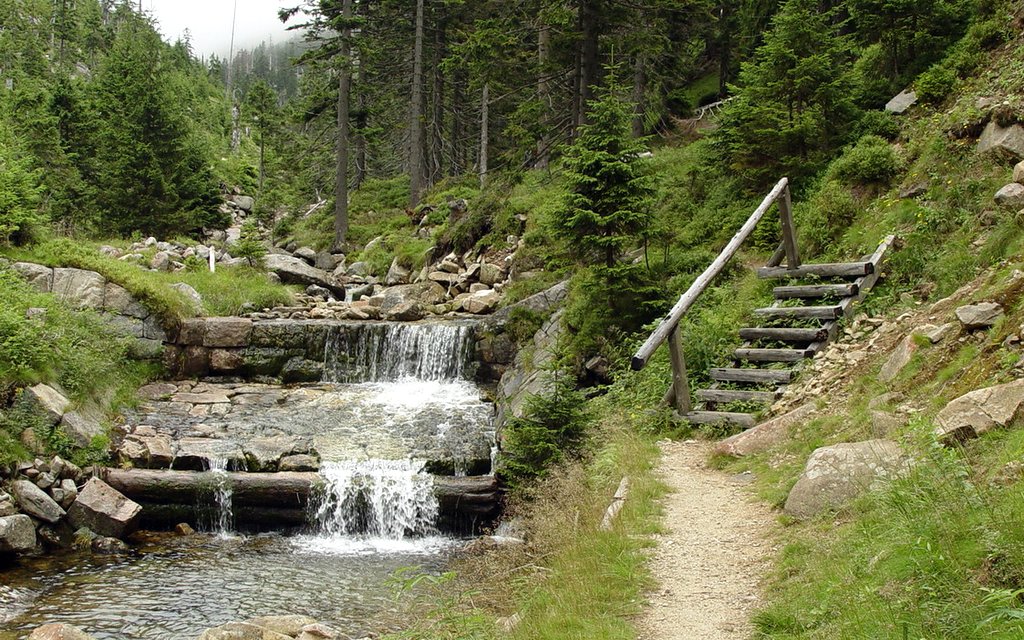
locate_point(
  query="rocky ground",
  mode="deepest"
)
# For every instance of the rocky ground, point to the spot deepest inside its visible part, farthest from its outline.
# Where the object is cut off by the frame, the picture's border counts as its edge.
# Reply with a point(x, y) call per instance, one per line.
point(292, 627)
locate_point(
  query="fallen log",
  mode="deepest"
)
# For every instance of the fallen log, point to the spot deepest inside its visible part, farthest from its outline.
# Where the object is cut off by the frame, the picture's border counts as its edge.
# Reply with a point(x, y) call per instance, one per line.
point(283, 497)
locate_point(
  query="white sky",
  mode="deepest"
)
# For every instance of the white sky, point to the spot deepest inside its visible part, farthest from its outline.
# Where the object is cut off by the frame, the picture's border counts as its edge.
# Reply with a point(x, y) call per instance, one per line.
point(209, 22)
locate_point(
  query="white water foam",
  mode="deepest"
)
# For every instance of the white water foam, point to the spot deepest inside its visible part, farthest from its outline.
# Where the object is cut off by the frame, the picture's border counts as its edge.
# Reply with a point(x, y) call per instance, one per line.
point(224, 518)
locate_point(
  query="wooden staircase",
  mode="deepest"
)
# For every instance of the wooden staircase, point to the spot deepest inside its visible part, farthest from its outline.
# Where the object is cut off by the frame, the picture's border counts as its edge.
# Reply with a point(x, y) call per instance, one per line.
point(803, 320)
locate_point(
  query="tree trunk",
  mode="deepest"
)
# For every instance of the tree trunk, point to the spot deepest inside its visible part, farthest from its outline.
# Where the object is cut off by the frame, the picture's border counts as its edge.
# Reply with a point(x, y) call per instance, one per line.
point(458, 159)
point(544, 94)
point(437, 108)
point(639, 92)
point(341, 178)
point(484, 131)
point(361, 123)
point(590, 55)
point(416, 114)
point(263, 146)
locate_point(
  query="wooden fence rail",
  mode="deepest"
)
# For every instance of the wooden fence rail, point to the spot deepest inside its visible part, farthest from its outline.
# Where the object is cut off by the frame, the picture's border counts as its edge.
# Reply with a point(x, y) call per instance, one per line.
point(668, 329)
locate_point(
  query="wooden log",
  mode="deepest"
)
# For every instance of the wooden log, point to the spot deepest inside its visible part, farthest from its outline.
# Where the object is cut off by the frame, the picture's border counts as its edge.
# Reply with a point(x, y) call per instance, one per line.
point(680, 385)
point(735, 395)
point(469, 495)
point(782, 334)
point(830, 312)
point(773, 355)
point(824, 270)
point(788, 230)
point(618, 501)
point(816, 291)
point(686, 301)
point(778, 376)
point(744, 420)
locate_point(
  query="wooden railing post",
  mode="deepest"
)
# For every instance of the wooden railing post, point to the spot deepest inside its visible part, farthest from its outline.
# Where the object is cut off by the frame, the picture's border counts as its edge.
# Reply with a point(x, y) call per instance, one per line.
point(788, 230)
point(680, 385)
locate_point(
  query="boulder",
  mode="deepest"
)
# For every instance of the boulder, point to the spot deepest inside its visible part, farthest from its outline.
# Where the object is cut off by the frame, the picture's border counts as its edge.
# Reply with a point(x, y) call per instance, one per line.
point(306, 254)
point(108, 546)
point(482, 301)
point(316, 291)
point(329, 261)
point(443, 278)
point(17, 534)
point(70, 491)
point(81, 428)
point(79, 288)
point(397, 274)
point(765, 435)
point(979, 316)
point(358, 269)
point(161, 261)
point(157, 391)
point(1018, 172)
point(427, 293)
point(193, 296)
point(898, 359)
point(290, 625)
point(294, 270)
point(48, 401)
point(225, 360)
point(300, 369)
point(318, 631)
point(58, 631)
point(34, 501)
point(242, 631)
point(901, 101)
point(117, 299)
point(245, 203)
point(837, 474)
point(102, 509)
point(979, 411)
point(299, 462)
point(491, 274)
point(1011, 196)
point(405, 311)
point(37, 275)
point(227, 332)
point(543, 303)
point(1004, 142)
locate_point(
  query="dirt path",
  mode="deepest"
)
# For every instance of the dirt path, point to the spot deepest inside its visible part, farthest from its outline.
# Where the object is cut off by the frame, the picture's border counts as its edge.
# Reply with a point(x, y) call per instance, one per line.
point(709, 563)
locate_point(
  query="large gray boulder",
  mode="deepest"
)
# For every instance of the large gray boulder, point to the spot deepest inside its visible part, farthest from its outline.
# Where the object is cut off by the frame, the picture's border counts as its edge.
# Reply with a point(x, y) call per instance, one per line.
point(37, 275)
point(104, 510)
point(17, 534)
point(48, 401)
point(979, 316)
point(901, 102)
point(542, 303)
point(245, 203)
point(289, 625)
point(491, 274)
point(1004, 142)
point(482, 302)
point(980, 411)
point(427, 293)
point(898, 359)
point(117, 299)
point(397, 274)
point(189, 292)
point(1018, 172)
point(1011, 196)
point(81, 428)
point(294, 270)
point(79, 288)
point(836, 475)
point(59, 631)
point(34, 501)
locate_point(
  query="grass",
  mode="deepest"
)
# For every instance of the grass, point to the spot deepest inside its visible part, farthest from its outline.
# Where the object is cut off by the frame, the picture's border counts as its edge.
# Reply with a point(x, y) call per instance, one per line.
point(224, 292)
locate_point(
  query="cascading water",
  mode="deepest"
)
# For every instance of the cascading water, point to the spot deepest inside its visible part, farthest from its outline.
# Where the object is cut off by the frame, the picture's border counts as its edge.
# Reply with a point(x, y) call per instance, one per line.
point(223, 517)
point(389, 499)
point(387, 352)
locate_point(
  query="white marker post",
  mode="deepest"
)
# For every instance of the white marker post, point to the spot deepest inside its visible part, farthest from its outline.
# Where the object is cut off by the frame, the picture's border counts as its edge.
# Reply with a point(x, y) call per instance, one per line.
point(213, 259)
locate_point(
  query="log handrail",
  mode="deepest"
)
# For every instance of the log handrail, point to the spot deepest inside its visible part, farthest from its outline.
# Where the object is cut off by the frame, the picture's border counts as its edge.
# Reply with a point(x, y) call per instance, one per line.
point(668, 329)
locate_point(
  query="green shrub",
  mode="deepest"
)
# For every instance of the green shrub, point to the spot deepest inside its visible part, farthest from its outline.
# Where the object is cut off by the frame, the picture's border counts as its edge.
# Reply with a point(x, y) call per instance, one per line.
point(871, 161)
point(825, 217)
point(19, 192)
point(554, 427)
point(250, 246)
point(878, 123)
point(936, 84)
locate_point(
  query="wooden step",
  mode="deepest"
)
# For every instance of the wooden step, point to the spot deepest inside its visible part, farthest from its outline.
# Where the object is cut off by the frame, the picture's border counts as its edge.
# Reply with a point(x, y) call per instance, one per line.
point(744, 420)
point(765, 376)
point(735, 395)
point(773, 355)
point(831, 312)
point(784, 334)
point(836, 270)
point(816, 291)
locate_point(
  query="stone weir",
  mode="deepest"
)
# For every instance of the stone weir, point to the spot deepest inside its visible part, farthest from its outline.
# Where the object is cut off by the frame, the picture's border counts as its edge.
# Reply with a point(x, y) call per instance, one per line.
point(319, 396)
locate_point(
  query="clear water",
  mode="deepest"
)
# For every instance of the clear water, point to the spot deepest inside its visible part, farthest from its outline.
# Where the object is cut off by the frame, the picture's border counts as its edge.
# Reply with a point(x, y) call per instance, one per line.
point(403, 397)
point(174, 588)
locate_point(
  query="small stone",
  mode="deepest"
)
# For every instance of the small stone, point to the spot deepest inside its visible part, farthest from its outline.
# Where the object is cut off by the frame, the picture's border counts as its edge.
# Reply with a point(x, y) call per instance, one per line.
point(979, 316)
point(35, 502)
point(108, 546)
point(183, 529)
point(1011, 196)
point(59, 632)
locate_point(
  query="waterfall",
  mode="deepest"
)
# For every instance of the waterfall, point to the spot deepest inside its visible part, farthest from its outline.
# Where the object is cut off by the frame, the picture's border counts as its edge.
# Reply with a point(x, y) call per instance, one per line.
point(385, 352)
point(223, 519)
point(388, 499)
